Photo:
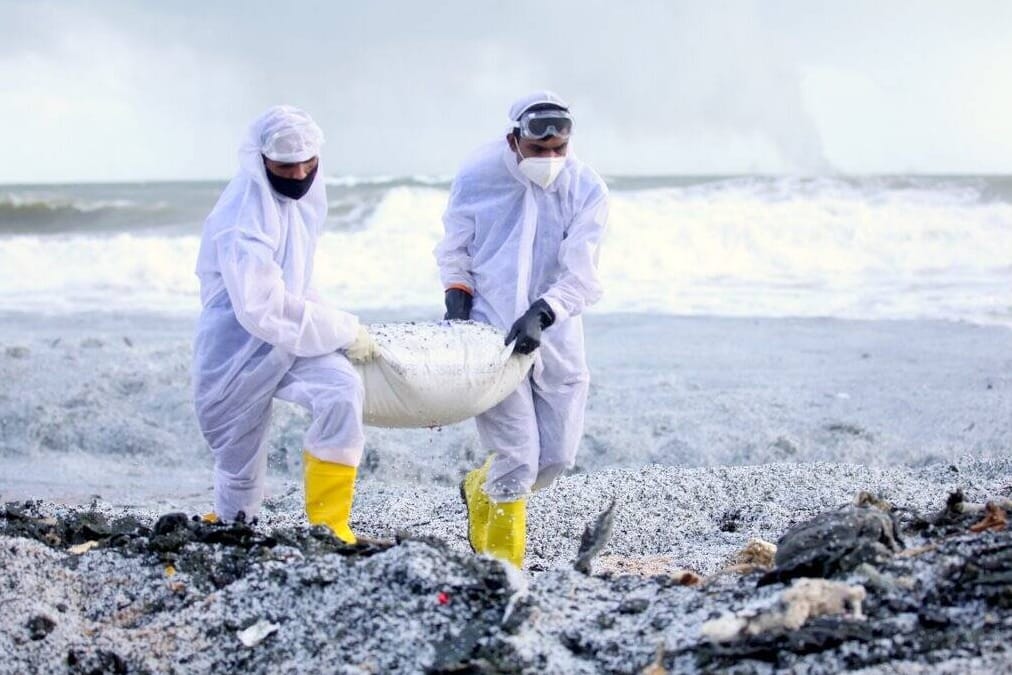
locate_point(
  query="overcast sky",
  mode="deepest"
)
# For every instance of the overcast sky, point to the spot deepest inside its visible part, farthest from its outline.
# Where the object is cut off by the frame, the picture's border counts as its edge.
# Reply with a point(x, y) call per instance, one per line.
point(142, 90)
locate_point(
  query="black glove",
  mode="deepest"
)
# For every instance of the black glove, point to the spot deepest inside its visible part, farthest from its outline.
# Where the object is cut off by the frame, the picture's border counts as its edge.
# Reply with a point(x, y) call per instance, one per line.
point(527, 329)
point(458, 305)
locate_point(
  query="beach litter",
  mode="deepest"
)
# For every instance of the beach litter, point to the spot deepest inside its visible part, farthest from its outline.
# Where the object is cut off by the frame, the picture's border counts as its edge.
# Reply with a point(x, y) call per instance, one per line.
point(261, 598)
point(595, 537)
point(257, 633)
point(995, 519)
point(805, 599)
point(833, 543)
point(757, 554)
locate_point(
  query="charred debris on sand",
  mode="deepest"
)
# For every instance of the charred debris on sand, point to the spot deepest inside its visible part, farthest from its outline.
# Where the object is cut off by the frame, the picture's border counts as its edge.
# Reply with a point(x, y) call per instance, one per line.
point(864, 584)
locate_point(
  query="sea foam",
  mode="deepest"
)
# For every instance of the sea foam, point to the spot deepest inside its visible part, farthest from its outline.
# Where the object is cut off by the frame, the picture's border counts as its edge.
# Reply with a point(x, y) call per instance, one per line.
point(925, 248)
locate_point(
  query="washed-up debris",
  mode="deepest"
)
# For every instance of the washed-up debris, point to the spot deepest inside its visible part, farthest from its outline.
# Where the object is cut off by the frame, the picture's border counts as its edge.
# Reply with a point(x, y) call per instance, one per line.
point(656, 667)
point(245, 582)
point(595, 538)
point(955, 517)
point(420, 605)
point(917, 550)
point(647, 566)
point(985, 568)
point(756, 555)
point(959, 516)
point(257, 633)
point(178, 542)
point(865, 498)
point(834, 542)
point(804, 600)
point(93, 660)
point(78, 549)
point(39, 626)
point(884, 582)
point(686, 578)
point(79, 527)
point(994, 519)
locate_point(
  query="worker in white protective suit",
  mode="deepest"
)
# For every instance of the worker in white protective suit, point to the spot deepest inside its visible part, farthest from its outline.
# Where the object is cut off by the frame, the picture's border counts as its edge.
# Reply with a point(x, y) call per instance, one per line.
point(265, 333)
point(522, 232)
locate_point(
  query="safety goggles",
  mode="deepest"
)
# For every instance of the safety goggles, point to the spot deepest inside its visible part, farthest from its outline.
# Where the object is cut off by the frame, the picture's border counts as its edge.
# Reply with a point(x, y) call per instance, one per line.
point(539, 124)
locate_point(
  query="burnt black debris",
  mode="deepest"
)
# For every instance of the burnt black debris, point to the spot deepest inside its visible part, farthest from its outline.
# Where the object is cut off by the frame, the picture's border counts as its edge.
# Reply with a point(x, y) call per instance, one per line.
point(39, 626)
point(594, 539)
point(215, 554)
point(957, 607)
point(834, 542)
point(176, 592)
point(24, 520)
point(85, 660)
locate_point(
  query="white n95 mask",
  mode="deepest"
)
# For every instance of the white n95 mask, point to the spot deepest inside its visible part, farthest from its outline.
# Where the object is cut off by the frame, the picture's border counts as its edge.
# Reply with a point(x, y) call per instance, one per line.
point(542, 170)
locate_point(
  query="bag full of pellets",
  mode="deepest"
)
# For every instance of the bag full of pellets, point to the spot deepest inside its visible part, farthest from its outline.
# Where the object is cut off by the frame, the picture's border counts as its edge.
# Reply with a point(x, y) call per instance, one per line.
point(432, 374)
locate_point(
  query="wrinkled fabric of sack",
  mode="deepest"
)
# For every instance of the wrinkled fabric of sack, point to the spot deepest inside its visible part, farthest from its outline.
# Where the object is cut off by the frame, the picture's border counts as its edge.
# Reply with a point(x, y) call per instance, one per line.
point(433, 374)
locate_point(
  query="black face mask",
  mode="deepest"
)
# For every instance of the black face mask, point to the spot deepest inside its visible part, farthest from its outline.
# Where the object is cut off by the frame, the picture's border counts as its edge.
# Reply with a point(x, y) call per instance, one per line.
point(293, 188)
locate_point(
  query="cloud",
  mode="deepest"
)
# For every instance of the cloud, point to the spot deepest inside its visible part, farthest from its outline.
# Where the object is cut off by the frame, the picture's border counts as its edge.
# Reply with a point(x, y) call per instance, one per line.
point(122, 91)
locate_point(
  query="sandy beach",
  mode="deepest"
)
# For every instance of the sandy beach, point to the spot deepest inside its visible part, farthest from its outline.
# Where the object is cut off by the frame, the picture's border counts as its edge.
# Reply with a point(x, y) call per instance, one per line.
point(109, 398)
point(706, 432)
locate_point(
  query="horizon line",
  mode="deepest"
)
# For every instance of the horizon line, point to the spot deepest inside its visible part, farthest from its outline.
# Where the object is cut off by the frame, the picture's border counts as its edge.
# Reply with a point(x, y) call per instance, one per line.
point(446, 178)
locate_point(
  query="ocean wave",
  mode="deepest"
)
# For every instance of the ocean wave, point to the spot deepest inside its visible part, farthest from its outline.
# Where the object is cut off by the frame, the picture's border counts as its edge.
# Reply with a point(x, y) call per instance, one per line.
point(391, 181)
point(20, 206)
point(13, 203)
point(741, 246)
point(28, 213)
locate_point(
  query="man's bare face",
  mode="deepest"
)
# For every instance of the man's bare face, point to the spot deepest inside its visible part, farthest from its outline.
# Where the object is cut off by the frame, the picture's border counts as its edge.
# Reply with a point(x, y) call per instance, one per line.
point(294, 170)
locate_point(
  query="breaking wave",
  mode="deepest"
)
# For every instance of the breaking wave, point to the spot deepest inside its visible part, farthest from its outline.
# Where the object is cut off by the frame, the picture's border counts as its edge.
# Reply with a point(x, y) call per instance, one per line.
point(858, 248)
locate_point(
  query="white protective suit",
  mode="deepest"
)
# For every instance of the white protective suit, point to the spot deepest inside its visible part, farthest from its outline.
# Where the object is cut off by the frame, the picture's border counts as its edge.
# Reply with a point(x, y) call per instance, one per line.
point(513, 242)
point(264, 332)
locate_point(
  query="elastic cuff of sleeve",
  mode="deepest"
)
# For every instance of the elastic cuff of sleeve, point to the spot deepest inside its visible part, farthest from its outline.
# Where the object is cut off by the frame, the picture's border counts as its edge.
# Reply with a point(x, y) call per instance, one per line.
point(461, 287)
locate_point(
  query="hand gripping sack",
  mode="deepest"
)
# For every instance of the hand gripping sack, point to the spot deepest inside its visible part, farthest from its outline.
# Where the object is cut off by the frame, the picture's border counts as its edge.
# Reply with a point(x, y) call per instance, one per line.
point(432, 374)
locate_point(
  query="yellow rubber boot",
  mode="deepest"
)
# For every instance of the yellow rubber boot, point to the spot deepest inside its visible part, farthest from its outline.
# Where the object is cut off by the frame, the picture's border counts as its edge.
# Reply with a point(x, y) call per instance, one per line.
point(329, 491)
point(472, 491)
point(507, 531)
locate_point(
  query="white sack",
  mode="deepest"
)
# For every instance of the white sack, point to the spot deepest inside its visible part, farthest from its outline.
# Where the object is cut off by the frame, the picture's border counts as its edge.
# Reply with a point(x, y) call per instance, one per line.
point(437, 373)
